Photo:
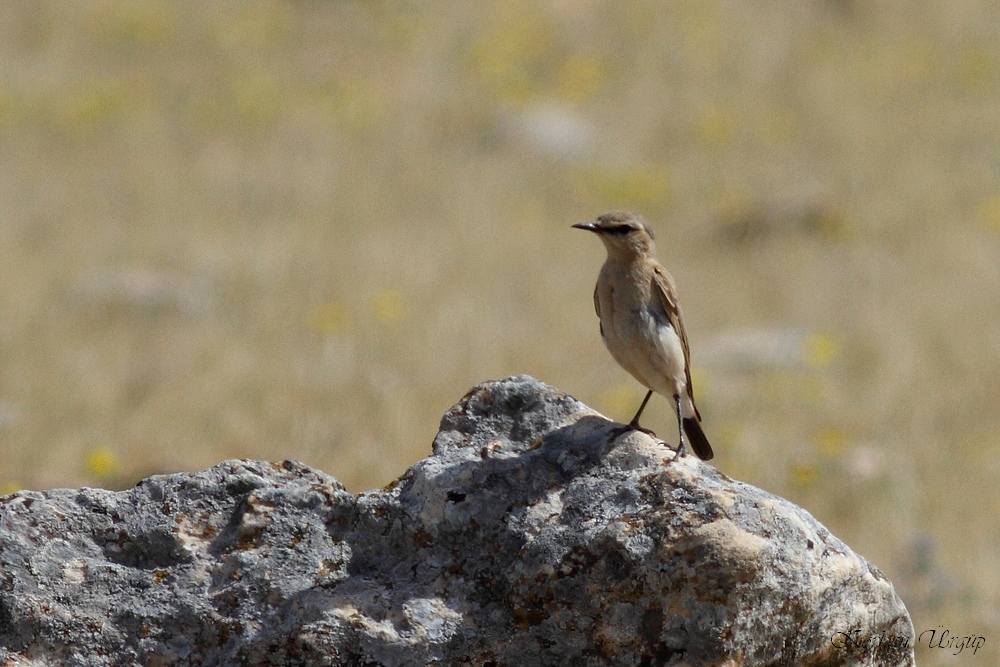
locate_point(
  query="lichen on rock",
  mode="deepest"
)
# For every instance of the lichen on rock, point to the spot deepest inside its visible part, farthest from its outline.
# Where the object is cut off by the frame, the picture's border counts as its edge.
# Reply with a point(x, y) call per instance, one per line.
point(531, 536)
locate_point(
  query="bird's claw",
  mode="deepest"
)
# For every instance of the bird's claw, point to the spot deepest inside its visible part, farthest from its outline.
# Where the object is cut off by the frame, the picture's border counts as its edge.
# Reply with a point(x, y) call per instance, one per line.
point(648, 431)
point(628, 428)
point(621, 430)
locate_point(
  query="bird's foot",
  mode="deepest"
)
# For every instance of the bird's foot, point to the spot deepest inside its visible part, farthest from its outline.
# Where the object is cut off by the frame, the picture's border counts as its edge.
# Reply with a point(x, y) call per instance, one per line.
point(648, 431)
point(681, 451)
point(628, 428)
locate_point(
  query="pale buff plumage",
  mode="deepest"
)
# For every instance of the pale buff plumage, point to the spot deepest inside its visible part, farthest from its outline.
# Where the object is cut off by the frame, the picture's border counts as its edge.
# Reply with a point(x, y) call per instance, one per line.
point(641, 321)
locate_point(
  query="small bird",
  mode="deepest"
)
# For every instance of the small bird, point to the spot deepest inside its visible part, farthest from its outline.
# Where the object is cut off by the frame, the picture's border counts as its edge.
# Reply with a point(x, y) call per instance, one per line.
point(641, 322)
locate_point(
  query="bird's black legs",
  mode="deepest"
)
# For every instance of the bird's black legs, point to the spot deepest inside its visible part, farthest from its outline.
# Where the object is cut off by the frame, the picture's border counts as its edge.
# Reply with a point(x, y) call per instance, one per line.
point(680, 428)
point(634, 424)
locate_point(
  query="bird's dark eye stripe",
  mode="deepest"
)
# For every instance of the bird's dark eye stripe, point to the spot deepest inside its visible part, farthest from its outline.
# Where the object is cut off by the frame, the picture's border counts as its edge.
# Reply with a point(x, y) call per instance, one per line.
point(619, 229)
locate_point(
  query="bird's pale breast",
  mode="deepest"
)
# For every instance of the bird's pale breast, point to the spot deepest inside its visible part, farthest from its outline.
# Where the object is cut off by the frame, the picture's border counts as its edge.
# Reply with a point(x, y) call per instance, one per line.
point(639, 335)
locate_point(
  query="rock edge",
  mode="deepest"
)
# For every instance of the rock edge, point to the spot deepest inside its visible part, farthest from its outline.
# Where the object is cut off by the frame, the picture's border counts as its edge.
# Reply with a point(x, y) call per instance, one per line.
point(528, 537)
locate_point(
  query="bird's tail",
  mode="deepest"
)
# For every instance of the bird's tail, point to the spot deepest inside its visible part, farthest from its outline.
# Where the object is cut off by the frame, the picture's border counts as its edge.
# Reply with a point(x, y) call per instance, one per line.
point(696, 437)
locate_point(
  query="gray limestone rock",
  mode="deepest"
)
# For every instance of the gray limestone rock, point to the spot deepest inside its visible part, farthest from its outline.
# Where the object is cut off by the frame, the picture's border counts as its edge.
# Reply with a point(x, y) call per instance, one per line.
point(529, 537)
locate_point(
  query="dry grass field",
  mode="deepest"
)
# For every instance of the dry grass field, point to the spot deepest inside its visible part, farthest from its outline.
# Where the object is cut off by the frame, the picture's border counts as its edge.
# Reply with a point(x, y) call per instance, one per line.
point(304, 229)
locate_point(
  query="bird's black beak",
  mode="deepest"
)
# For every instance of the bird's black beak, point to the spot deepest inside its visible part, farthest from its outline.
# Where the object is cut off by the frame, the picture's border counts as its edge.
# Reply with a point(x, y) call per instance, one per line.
point(589, 226)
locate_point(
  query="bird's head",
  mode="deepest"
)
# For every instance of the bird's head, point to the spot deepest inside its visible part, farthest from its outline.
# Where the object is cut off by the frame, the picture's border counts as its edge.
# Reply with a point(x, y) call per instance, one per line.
point(625, 235)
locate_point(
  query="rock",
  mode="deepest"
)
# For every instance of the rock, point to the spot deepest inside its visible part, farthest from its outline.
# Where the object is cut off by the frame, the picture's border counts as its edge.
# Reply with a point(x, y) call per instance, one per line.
point(529, 537)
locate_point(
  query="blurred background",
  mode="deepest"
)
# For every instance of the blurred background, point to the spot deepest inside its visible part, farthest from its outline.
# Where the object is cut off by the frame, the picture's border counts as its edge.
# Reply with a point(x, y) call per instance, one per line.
point(305, 229)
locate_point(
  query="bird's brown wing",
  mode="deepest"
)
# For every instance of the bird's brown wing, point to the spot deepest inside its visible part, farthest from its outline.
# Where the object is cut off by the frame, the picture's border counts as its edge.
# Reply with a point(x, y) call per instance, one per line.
point(597, 309)
point(665, 290)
